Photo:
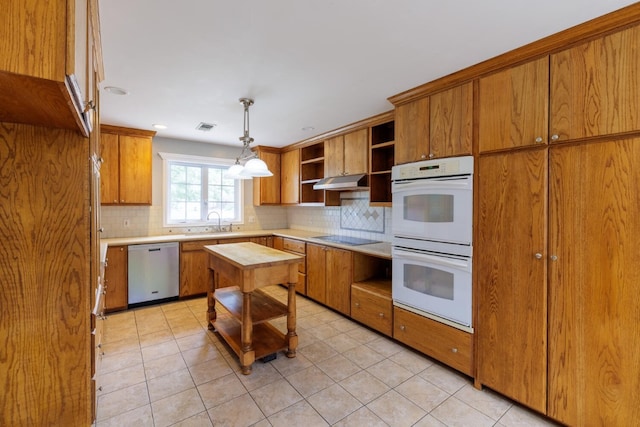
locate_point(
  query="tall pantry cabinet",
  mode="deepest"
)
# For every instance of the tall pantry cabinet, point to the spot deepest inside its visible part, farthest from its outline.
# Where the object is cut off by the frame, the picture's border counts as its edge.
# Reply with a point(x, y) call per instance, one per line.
point(557, 226)
point(49, 263)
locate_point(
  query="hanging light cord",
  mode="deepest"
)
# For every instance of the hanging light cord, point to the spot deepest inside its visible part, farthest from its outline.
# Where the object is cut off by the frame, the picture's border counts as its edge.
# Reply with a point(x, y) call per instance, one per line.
point(246, 152)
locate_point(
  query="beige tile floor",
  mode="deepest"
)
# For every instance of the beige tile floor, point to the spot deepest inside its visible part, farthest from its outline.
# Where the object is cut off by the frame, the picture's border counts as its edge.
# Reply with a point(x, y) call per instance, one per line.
point(162, 367)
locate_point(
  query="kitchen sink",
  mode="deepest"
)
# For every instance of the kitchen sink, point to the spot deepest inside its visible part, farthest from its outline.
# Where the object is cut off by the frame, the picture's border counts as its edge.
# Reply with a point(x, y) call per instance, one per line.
point(346, 240)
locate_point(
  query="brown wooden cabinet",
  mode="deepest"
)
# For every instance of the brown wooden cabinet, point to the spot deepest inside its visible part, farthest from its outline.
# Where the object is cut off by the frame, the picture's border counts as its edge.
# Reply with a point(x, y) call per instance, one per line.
point(451, 121)
point(126, 168)
point(513, 107)
point(194, 273)
point(116, 278)
point(449, 345)
point(329, 276)
point(48, 51)
point(412, 131)
point(311, 171)
point(266, 190)
point(347, 154)
point(45, 239)
point(595, 86)
point(290, 177)
point(594, 283)
point(511, 268)
point(297, 247)
point(382, 159)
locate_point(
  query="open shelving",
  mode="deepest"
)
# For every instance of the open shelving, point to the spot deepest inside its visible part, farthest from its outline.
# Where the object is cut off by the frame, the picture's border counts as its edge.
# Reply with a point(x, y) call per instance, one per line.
point(381, 160)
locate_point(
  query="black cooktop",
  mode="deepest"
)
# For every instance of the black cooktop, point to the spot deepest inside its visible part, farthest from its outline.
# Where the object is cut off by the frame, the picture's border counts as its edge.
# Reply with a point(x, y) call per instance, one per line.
point(346, 240)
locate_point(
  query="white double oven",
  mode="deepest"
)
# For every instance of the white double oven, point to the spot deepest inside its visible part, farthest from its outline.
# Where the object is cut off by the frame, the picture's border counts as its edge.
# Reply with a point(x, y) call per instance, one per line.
point(432, 239)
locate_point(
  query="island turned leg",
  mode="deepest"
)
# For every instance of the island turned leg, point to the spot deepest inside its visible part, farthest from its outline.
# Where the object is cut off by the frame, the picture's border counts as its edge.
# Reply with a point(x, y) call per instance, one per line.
point(292, 336)
point(211, 301)
point(247, 355)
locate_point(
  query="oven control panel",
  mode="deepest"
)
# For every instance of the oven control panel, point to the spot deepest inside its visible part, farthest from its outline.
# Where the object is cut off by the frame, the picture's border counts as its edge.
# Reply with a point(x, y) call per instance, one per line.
point(433, 168)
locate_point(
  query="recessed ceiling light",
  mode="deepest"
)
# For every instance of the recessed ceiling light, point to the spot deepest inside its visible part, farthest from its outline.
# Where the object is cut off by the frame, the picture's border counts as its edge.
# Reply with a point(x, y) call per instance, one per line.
point(116, 90)
point(308, 128)
point(159, 126)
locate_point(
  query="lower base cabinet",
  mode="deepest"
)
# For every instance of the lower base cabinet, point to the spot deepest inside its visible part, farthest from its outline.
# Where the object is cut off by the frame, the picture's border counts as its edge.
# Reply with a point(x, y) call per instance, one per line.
point(116, 279)
point(449, 345)
point(372, 305)
point(329, 276)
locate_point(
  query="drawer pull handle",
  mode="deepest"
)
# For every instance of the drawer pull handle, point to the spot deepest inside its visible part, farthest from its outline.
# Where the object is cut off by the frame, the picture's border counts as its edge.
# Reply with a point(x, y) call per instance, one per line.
point(454, 350)
point(381, 315)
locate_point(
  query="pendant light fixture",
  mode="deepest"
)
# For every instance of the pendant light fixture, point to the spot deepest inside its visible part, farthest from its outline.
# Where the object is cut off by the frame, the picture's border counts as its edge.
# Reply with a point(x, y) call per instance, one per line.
point(254, 167)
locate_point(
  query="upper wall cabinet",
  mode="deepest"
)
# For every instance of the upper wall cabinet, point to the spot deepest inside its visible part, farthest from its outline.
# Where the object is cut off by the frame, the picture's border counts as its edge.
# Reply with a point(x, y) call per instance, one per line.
point(46, 66)
point(595, 87)
point(412, 131)
point(125, 175)
point(266, 190)
point(513, 107)
point(290, 177)
point(451, 121)
point(347, 154)
point(440, 125)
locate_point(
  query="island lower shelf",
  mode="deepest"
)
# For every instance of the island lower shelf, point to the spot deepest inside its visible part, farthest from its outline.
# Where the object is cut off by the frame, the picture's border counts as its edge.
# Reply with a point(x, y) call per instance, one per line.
point(266, 339)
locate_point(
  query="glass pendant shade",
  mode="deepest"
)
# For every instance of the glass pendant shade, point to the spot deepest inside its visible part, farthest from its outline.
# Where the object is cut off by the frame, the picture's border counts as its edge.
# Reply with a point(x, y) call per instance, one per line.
point(255, 168)
point(234, 172)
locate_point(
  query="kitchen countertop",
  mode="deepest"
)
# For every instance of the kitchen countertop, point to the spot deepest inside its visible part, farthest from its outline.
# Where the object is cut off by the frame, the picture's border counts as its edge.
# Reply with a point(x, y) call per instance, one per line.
point(382, 249)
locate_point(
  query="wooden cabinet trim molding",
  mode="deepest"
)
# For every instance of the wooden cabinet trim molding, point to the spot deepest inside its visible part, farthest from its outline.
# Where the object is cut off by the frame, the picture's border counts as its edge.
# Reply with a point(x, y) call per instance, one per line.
point(127, 131)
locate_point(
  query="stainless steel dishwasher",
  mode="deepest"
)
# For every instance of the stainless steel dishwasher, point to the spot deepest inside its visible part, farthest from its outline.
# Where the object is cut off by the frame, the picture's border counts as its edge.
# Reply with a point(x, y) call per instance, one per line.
point(153, 272)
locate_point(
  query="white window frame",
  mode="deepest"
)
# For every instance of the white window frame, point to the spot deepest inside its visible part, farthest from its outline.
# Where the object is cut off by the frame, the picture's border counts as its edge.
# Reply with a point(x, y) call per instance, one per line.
point(168, 158)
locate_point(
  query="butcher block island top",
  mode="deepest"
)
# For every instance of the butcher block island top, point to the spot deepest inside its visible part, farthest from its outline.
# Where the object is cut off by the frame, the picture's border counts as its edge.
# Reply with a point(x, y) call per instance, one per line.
point(245, 325)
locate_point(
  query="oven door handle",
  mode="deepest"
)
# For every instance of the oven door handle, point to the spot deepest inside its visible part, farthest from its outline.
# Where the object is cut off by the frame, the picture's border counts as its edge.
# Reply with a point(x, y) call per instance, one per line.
point(422, 257)
point(461, 184)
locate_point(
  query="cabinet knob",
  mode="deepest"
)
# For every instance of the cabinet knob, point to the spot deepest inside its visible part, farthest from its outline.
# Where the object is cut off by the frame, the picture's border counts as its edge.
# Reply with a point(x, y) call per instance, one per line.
point(454, 350)
point(115, 201)
point(431, 155)
point(539, 139)
point(538, 255)
point(122, 201)
point(555, 137)
point(402, 327)
point(357, 305)
point(381, 315)
point(423, 156)
point(554, 257)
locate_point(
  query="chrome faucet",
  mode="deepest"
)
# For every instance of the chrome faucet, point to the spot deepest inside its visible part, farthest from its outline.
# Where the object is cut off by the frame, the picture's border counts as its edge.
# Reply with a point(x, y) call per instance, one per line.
point(215, 212)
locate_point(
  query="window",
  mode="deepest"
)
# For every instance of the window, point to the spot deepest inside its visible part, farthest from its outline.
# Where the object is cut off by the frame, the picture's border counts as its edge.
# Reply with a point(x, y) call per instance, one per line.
point(196, 187)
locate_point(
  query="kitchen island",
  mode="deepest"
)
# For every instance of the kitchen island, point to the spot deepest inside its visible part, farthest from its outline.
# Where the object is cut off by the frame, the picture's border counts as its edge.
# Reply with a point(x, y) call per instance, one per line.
point(245, 324)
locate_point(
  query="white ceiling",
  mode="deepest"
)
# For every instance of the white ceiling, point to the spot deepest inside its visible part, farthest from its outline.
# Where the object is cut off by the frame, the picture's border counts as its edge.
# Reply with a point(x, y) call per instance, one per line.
point(307, 63)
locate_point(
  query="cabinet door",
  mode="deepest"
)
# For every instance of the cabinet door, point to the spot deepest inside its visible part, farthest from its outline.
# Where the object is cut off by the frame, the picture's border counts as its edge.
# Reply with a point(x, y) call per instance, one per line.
point(116, 278)
point(334, 156)
point(451, 121)
point(135, 170)
point(594, 283)
point(290, 177)
point(266, 191)
point(412, 131)
point(316, 272)
point(595, 87)
point(512, 311)
point(194, 273)
point(110, 169)
point(339, 277)
point(513, 107)
point(356, 152)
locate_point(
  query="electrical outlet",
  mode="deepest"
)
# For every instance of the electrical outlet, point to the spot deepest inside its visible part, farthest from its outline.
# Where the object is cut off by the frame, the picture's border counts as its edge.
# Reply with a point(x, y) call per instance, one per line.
point(126, 223)
point(252, 219)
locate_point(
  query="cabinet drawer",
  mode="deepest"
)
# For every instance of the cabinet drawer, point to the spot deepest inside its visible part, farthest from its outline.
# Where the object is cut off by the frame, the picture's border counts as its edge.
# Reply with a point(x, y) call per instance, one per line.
point(294, 245)
point(372, 309)
point(196, 245)
point(449, 345)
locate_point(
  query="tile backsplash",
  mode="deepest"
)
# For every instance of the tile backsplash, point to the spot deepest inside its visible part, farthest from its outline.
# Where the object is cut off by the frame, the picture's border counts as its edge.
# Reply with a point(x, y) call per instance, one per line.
point(353, 218)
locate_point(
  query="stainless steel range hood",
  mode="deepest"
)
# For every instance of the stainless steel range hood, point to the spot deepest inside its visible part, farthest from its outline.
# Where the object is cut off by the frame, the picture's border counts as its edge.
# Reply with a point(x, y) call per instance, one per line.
point(343, 183)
